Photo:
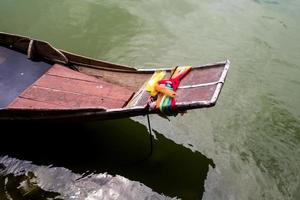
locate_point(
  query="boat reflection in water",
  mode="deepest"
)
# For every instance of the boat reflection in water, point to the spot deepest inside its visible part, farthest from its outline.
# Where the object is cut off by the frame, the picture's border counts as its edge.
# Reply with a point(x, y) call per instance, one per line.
point(97, 159)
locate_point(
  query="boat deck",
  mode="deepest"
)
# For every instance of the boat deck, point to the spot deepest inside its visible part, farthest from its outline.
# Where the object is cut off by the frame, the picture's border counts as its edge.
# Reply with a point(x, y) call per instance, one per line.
point(41, 86)
point(16, 74)
point(64, 88)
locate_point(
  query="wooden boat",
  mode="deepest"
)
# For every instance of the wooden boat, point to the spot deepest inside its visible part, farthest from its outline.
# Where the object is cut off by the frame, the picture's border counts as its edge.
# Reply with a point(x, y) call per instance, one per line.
point(40, 82)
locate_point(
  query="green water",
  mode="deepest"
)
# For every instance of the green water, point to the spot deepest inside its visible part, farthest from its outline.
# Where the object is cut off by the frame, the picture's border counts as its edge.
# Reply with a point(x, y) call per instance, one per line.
point(253, 133)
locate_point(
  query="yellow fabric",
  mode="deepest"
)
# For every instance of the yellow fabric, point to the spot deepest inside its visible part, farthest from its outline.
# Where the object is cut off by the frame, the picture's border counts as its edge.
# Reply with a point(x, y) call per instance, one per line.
point(157, 76)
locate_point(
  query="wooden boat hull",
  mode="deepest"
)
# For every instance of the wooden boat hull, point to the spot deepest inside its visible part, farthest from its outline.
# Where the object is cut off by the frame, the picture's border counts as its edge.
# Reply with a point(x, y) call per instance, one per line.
point(65, 86)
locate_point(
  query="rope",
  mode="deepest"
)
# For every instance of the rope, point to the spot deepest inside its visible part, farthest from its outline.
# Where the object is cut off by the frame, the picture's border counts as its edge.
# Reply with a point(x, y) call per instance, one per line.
point(163, 91)
point(138, 162)
point(150, 134)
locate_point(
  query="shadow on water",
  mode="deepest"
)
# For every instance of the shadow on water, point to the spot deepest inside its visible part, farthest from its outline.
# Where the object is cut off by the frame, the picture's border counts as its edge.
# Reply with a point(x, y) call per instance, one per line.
point(116, 147)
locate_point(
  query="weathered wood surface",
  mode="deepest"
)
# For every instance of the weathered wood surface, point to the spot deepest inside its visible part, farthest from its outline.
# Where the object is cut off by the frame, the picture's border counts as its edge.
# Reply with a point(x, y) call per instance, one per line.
point(64, 88)
point(208, 75)
point(203, 75)
point(132, 81)
point(32, 104)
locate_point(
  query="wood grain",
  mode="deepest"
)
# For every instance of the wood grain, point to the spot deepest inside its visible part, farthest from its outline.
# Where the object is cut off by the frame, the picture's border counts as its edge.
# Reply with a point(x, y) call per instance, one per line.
point(61, 87)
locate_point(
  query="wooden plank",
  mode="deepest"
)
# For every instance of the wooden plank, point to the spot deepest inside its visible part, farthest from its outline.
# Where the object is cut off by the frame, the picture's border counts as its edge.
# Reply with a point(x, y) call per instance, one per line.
point(59, 70)
point(61, 87)
point(132, 81)
point(20, 102)
point(100, 89)
point(205, 75)
point(195, 94)
point(69, 99)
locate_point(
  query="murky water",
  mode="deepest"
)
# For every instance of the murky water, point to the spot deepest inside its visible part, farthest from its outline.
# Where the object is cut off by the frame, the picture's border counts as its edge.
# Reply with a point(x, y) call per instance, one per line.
point(247, 147)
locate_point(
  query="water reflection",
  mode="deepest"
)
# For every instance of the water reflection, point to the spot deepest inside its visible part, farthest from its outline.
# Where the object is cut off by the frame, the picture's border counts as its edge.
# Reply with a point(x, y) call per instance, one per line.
point(23, 187)
point(116, 147)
